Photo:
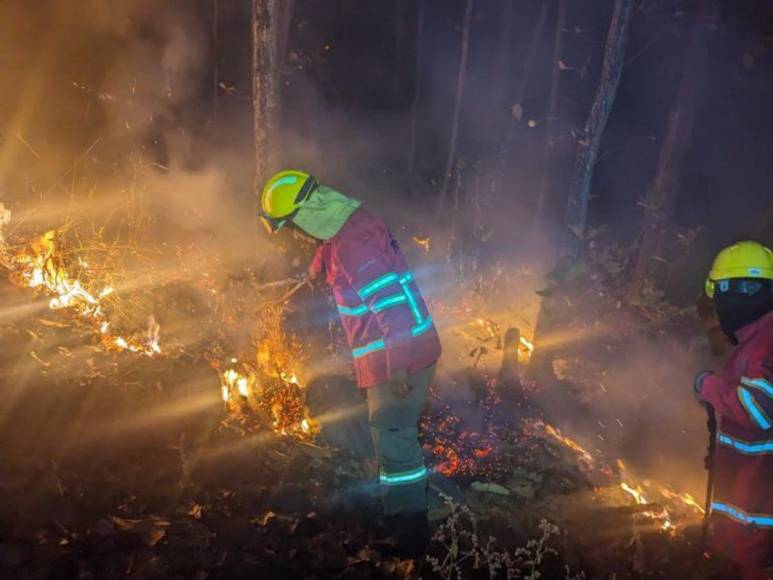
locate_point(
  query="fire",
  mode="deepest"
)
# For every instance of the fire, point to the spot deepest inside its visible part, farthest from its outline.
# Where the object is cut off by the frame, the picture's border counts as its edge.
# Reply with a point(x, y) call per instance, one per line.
point(675, 502)
point(423, 241)
point(492, 329)
point(41, 267)
point(584, 455)
point(266, 386)
point(638, 495)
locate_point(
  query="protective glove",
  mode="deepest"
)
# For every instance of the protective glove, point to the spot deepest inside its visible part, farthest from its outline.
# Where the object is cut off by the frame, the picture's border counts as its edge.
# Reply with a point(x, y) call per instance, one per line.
point(399, 382)
point(698, 386)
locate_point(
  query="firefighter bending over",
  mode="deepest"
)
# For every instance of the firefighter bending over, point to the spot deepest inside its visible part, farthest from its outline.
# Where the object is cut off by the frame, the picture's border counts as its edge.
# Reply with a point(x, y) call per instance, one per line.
point(394, 343)
point(741, 284)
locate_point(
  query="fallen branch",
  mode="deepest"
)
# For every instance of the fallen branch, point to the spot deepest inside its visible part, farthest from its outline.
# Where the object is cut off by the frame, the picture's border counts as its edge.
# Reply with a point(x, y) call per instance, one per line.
point(278, 284)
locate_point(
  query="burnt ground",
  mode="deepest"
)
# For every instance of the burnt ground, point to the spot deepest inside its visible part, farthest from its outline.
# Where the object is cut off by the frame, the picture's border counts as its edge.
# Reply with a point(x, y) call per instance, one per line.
point(121, 467)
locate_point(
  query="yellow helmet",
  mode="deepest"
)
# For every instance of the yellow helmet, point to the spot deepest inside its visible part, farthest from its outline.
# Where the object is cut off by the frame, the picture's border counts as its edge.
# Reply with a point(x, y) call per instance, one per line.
point(283, 196)
point(742, 260)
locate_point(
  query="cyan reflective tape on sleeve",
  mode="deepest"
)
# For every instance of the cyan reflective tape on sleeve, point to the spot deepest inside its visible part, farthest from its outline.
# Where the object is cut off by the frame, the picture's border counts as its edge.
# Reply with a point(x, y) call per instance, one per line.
point(388, 302)
point(357, 311)
point(368, 348)
point(412, 302)
point(753, 409)
point(761, 520)
point(404, 477)
point(760, 384)
point(377, 284)
point(379, 344)
point(422, 328)
point(746, 447)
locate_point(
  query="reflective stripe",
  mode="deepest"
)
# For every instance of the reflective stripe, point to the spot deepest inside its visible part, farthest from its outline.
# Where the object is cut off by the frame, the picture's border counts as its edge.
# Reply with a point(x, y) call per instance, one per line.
point(753, 409)
point(747, 447)
point(761, 520)
point(388, 302)
point(358, 311)
point(369, 348)
point(760, 384)
point(417, 330)
point(403, 478)
point(412, 301)
point(422, 328)
point(377, 284)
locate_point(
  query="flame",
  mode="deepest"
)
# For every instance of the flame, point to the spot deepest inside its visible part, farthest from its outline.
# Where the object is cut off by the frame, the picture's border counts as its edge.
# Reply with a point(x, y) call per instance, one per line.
point(423, 241)
point(567, 441)
point(41, 267)
point(267, 385)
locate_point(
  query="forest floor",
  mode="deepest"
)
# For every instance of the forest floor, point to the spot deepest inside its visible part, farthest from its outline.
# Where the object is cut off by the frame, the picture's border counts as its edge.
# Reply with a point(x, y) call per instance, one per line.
point(121, 466)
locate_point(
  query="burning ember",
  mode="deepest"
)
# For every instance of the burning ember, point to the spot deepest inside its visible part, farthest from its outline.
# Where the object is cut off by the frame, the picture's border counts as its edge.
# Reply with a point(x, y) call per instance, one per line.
point(266, 388)
point(493, 331)
point(587, 459)
point(423, 242)
point(41, 267)
point(666, 507)
point(665, 510)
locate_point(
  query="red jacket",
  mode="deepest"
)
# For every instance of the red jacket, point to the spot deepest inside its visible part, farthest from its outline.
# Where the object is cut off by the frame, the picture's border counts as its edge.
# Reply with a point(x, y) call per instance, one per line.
point(742, 395)
point(386, 322)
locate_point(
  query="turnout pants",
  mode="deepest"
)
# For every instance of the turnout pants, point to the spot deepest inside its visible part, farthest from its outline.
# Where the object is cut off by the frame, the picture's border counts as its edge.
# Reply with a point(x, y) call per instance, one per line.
point(394, 428)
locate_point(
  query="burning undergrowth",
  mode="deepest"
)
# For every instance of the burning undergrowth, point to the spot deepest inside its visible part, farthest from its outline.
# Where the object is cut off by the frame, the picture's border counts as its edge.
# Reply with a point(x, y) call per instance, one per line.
point(483, 432)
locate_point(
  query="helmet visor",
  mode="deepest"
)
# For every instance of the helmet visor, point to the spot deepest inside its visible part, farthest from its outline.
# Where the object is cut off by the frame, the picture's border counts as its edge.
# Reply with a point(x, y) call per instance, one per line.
point(745, 286)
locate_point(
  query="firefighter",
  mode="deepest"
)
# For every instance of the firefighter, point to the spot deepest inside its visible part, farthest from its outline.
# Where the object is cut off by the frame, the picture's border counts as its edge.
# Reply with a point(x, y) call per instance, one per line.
point(741, 284)
point(394, 343)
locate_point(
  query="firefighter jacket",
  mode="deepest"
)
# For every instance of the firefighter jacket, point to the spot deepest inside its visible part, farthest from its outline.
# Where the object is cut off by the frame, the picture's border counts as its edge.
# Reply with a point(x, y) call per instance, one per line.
point(384, 317)
point(742, 395)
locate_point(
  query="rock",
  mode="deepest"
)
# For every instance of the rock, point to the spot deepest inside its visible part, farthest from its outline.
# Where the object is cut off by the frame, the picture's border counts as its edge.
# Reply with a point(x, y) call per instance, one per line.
point(489, 487)
point(524, 483)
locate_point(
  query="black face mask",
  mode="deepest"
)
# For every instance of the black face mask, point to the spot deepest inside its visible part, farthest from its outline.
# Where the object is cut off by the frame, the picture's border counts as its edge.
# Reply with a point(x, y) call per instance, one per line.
point(736, 310)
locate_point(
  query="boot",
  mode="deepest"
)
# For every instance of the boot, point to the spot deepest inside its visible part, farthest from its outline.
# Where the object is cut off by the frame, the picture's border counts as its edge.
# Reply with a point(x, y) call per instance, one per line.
point(413, 535)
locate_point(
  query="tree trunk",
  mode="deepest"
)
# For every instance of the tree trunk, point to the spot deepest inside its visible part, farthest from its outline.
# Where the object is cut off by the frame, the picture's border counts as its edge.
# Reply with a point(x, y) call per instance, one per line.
point(659, 201)
point(265, 85)
point(552, 117)
point(588, 145)
point(459, 94)
point(397, 72)
point(215, 57)
point(417, 86)
point(520, 92)
point(285, 24)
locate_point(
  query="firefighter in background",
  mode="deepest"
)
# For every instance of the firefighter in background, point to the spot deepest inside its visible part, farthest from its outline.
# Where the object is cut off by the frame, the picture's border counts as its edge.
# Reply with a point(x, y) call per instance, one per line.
point(741, 284)
point(394, 343)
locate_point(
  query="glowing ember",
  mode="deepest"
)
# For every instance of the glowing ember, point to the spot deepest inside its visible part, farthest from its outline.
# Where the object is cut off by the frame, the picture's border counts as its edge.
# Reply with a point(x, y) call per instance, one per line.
point(424, 242)
point(586, 457)
point(266, 386)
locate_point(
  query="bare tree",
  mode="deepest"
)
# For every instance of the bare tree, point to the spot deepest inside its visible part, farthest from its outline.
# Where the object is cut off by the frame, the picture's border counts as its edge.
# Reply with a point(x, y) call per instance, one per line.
point(285, 23)
point(590, 139)
point(659, 201)
point(215, 56)
point(417, 90)
point(552, 116)
point(520, 93)
point(459, 94)
point(265, 84)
